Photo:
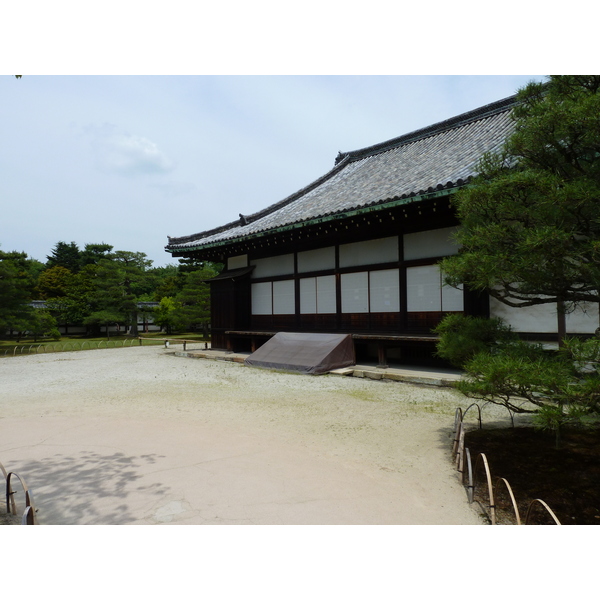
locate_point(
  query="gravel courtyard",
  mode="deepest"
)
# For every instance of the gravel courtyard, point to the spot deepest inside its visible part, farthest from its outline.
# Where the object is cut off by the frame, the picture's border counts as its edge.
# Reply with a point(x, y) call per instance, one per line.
point(140, 436)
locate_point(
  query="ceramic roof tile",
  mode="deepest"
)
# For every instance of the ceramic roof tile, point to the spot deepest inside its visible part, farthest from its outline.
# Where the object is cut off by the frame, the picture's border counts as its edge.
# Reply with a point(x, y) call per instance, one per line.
point(439, 155)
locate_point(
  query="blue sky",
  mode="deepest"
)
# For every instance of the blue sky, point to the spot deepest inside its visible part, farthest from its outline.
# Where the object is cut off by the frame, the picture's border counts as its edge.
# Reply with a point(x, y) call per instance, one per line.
point(128, 160)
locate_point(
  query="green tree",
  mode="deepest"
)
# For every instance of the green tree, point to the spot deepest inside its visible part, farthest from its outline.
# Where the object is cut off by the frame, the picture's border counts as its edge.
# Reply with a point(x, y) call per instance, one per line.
point(80, 299)
point(92, 254)
point(104, 317)
point(14, 296)
point(18, 276)
point(462, 337)
point(135, 283)
point(119, 281)
point(54, 282)
point(72, 296)
point(42, 323)
point(194, 300)
point(189, 265)
point(166, 281)
point(530, 226)
point(558, 127)
point(65, 255)
point(165, 314)
point(557, 388)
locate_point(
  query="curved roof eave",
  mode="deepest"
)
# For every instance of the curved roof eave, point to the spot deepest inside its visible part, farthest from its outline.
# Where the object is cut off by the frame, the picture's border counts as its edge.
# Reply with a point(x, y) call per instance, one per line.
point(383, 205)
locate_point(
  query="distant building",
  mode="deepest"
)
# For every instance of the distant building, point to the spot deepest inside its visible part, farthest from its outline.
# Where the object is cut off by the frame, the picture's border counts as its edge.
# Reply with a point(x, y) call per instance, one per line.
point(356, 251)
point(145, 320)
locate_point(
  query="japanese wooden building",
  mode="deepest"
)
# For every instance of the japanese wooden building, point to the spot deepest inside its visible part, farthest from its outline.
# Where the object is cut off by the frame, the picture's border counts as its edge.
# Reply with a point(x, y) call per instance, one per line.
point(356, 251)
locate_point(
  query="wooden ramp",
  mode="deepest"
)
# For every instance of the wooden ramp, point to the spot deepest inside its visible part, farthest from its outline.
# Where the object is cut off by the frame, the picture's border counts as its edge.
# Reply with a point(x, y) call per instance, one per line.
point(309, 353)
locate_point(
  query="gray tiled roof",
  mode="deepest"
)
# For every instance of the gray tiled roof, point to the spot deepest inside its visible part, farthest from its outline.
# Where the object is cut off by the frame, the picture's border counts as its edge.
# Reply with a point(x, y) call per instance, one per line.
point(440, 156)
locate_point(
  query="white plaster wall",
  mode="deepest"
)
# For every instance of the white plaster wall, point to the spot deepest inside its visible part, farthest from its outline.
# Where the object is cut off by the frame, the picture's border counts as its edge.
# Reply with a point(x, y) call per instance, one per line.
point(453, 299)
point(317, 295)
point(427, 244)
point(384, 291)
point(273, 266)
point(370, 252)
point(326, 299)
point(542, 318)
point(262, 298)
point(423, 289)
point(355, 292)
point(316, 260)
point(308, 296)
point(283, 297)
point(237, 262)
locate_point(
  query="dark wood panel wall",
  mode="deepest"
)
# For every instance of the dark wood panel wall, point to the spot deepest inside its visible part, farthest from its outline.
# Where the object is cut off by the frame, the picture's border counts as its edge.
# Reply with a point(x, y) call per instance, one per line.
point(231, 300)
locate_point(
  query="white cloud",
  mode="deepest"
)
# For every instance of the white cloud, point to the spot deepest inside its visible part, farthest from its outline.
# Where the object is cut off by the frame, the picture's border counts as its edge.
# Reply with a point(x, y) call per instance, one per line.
point(127, 154)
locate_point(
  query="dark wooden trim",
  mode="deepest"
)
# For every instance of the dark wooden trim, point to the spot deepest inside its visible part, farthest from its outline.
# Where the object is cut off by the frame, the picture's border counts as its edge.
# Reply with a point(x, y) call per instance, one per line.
point(423, 262)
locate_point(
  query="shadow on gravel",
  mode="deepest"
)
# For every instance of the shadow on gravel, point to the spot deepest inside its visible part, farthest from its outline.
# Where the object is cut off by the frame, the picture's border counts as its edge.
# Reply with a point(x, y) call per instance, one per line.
point(71, 489)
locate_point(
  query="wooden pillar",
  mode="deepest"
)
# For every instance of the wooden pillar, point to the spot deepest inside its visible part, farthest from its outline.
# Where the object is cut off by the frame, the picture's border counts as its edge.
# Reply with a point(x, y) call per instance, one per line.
point(381, 357)
point(561, 322)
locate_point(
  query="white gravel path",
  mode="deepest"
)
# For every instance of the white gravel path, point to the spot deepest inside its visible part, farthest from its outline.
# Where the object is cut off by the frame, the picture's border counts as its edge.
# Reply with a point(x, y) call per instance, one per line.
point(139, 436)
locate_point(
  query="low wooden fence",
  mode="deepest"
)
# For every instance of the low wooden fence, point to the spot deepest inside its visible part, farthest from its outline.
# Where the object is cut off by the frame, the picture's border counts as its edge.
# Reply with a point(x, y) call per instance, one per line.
point(13, 507)
point(476, 476)
point(168, 342)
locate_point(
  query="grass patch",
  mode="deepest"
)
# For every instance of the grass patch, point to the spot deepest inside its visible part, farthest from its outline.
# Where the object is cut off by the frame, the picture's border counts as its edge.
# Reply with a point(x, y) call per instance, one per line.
point(74, 343)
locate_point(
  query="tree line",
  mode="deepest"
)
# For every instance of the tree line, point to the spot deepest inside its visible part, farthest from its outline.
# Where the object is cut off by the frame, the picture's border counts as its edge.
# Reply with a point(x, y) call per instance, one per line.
point(97, 287)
